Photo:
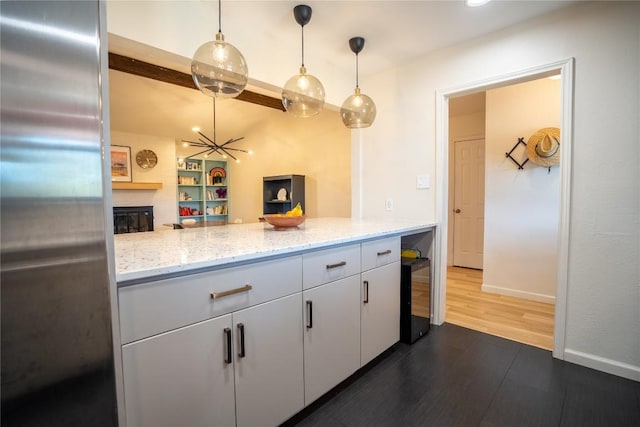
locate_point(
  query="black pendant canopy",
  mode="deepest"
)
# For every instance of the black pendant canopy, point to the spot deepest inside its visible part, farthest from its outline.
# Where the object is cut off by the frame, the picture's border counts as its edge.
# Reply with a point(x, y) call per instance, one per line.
point(302, 13)
point(356, 44)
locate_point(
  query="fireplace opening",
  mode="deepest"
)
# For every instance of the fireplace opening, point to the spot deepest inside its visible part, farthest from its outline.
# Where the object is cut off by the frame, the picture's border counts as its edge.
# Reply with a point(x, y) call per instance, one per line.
point(132, 219)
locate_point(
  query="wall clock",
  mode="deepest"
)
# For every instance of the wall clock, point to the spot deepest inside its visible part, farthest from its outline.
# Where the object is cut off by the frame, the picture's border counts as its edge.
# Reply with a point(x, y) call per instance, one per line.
point(146, 159)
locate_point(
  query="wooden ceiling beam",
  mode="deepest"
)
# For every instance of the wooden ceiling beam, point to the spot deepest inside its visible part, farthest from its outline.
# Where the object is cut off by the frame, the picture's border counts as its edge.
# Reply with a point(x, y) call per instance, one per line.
point(151, 71)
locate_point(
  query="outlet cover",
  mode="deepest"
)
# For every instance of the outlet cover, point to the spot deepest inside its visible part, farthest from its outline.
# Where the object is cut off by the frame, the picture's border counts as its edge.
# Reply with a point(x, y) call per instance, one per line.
point(423, 181)
point(388, 204)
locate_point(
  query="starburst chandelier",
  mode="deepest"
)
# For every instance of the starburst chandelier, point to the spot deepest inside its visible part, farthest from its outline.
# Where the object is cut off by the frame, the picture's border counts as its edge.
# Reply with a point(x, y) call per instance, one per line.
point(211, 145)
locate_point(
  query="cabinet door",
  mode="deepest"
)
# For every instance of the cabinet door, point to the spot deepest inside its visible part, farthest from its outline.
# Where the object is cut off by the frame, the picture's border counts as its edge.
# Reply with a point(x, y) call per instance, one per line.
point(331, 335)
point(380, 321)
point(180, 378)
point(269, 374)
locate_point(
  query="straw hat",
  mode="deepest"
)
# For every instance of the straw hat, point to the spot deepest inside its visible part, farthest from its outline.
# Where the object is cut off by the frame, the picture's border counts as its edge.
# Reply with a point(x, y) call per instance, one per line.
point(543, 147)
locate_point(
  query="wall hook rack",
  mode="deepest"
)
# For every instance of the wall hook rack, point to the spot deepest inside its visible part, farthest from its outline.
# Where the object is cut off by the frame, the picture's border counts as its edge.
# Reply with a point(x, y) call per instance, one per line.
point(520, 165)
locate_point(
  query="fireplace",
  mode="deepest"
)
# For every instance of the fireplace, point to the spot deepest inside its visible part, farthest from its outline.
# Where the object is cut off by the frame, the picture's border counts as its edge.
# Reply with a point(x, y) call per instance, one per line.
point(132, 219)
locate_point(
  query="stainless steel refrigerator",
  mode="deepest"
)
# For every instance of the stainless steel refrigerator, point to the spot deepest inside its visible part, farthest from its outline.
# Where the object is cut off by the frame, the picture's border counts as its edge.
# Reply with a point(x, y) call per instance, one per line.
point(57, 280)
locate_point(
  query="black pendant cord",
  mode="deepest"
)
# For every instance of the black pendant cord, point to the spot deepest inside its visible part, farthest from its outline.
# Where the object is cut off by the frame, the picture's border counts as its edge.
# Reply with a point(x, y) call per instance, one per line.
point(302, 30)
point(357, 70)
point(214, 122)
point(219, 16)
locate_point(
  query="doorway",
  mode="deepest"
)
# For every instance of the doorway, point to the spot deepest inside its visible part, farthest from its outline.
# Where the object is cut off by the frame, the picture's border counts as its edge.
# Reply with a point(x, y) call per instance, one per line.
point(565, 68)
point(468, 203)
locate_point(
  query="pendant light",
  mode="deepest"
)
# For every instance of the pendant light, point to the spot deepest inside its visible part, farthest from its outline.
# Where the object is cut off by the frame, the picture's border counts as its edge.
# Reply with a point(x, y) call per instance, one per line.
point(303, 94)
point(218, 68)
point(211, 145)
point(358, 110)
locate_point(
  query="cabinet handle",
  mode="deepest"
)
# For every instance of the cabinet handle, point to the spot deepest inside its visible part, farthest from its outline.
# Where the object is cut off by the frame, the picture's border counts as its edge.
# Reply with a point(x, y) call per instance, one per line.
point(227, 335)
point(387, 252)
point(336, 265)
point(309, 314)
point(241, 337)
point(245, 288)
point(366, 292)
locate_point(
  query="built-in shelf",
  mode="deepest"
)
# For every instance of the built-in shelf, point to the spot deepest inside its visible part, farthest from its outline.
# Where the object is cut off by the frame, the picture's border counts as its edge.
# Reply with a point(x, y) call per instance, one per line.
point(136, 185)
point(281, 193)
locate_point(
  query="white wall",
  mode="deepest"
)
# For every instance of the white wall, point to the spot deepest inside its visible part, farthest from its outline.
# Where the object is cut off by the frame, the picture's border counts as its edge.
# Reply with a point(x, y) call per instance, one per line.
point(163, 200)
point(602, 319)
point(521, 205)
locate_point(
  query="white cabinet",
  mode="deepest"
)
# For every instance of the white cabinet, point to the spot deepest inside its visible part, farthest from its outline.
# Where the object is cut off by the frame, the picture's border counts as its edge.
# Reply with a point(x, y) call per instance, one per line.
point(269, 372)
point(186, 377)
point(182, 358)
point(180, 378)
point(331, 335)
point(380, 311)
point(380, 306)
point(252, 345)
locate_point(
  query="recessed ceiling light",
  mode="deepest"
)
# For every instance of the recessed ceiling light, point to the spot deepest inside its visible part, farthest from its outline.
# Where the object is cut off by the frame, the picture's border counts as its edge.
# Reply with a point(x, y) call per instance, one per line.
point(475, 3)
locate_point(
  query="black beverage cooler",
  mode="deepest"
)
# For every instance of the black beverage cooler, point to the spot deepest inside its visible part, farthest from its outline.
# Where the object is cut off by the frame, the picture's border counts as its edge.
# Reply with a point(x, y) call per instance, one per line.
point(415, 299)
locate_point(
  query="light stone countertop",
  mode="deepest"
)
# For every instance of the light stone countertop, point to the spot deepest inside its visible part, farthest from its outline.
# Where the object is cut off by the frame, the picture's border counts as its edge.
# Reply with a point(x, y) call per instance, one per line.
point(170, 252)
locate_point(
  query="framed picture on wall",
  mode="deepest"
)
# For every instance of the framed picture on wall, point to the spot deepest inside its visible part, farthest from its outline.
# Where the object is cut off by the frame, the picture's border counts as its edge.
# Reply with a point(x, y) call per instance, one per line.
point(120, 163)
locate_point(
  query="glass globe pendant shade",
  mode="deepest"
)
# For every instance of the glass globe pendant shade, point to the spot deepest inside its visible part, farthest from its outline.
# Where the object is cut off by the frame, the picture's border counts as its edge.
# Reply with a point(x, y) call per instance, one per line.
point(303, 95)
point(219, 69)
point(358, 111)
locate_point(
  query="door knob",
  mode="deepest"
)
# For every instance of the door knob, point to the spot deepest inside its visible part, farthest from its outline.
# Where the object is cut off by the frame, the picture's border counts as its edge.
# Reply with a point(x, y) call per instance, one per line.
point(457, 210)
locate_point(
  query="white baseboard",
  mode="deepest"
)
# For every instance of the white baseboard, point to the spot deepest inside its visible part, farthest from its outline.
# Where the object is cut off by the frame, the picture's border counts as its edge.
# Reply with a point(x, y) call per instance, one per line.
point(549, 299)
point(603, 364)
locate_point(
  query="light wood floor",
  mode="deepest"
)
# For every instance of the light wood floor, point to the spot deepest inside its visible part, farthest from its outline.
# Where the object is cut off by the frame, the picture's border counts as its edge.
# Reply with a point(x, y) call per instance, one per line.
point(517, 319)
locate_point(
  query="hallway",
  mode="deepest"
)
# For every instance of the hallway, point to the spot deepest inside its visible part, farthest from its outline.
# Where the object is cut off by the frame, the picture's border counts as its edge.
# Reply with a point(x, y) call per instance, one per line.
point(525, 321)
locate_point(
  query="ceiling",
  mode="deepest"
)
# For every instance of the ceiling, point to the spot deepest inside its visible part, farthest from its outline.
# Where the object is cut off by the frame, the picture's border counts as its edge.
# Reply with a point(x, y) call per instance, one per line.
point(395, 32)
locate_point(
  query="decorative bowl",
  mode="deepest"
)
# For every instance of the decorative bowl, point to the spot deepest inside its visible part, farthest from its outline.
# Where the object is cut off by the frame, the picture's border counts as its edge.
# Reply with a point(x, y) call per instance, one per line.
point(283, 222)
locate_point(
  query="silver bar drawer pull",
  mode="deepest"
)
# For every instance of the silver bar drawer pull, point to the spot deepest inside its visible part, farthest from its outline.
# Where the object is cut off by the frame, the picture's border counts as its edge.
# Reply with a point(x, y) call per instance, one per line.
point(387, 252)
point(245, 288)
point(336, 265)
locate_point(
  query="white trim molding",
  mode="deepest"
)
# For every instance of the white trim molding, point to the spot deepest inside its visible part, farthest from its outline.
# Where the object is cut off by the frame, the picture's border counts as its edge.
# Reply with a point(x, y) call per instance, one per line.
point(533, 296)
point(603, 364)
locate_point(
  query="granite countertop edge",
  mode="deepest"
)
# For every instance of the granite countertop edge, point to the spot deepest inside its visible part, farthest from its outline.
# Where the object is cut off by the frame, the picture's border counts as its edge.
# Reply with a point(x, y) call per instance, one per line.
point(167, 253)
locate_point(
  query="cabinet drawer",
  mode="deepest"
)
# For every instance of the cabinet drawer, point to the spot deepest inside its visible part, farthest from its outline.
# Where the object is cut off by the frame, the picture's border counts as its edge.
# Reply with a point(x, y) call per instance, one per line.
point(380, 252)
point(151, 308)
point(330, 264)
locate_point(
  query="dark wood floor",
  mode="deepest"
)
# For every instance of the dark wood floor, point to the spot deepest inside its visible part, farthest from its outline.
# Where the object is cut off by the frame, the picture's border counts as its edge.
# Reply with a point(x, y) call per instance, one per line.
point(458, 377)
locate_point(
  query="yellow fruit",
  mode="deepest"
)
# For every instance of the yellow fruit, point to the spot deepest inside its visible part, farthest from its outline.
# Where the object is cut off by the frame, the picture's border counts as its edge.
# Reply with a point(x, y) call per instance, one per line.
point(296, 211)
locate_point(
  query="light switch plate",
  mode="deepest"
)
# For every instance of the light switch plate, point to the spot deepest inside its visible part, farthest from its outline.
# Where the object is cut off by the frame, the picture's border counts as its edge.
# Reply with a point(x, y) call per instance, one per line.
point(423, 181)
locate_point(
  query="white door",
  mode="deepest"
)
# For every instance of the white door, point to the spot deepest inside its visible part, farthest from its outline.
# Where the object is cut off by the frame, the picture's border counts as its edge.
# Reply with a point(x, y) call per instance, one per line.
point(269, 362)
point(380, 310)
point(468, 206)
point(181, 378)
point(331, 335)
